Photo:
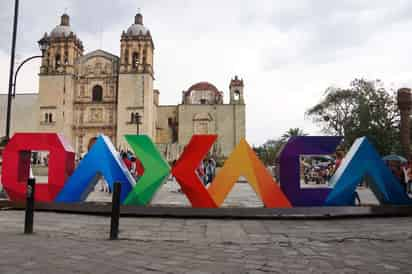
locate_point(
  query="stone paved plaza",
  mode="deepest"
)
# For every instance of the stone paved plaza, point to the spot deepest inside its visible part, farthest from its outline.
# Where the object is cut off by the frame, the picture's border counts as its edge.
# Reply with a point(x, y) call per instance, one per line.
point(242, 195)
point(65, 243)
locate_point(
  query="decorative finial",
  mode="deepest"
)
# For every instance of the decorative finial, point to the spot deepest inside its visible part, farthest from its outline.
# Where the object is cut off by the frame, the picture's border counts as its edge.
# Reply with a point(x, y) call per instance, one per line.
point(138, 19)
point(65, 20)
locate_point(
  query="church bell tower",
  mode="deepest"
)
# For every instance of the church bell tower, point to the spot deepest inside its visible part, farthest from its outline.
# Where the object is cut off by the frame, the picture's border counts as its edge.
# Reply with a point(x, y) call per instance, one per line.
point(236, 91)
point(136, 96)
point(57, 79)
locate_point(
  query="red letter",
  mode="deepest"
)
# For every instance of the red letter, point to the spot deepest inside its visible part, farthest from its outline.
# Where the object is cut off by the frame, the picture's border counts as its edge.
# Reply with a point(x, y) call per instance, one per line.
point(16, 165)
point(184, 171)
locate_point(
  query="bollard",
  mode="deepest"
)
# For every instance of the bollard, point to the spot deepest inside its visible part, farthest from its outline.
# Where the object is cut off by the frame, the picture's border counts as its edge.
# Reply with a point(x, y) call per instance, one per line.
point(28, 219)
point(114, 221)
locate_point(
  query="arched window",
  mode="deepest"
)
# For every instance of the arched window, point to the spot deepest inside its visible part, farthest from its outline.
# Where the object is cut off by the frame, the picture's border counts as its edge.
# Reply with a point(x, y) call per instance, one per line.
point(97, 93)
point(144, 56)
point(57, 60)
point(126, 56)
point(48, 61)
point(236, 95)
point(66, 57)
point(50, 118)
point(46, 117)
point(135, 59)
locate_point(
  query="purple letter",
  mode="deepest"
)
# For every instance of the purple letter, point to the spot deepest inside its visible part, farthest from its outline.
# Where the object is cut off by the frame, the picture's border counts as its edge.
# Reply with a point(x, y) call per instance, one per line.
point(290, 168)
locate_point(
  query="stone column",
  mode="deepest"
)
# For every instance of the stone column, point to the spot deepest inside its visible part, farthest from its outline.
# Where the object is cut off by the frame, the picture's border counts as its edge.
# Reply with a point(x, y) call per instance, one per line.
point(405, 104)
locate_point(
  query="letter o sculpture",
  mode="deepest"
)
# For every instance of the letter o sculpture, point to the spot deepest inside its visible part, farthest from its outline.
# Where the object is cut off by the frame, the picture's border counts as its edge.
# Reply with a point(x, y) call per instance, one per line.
point(16, 165)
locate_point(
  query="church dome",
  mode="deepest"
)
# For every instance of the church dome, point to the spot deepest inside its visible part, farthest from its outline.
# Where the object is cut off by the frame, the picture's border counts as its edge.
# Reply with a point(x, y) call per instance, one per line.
point(203, 86)
point(137, 28)
point(203, 93)
point(62, 30)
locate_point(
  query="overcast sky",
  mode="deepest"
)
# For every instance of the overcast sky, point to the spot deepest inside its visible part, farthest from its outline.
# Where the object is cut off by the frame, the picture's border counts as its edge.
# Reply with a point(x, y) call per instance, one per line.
point(287, 52)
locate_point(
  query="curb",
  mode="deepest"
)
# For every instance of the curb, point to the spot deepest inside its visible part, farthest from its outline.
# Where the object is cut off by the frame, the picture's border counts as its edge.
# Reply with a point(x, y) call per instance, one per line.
point(304, 213)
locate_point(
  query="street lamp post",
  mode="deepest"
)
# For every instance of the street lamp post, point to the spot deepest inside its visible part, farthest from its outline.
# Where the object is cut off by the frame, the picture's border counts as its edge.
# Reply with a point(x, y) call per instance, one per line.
point(43, 45)
point(137, 118)
point(13, 54)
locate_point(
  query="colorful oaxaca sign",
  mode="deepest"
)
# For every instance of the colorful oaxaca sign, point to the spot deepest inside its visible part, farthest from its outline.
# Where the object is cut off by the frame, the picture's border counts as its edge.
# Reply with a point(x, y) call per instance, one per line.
point(68, 185)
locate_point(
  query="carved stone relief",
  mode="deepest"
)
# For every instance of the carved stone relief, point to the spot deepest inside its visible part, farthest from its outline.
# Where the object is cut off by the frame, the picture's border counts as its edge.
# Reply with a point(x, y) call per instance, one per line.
point(82, 91)
point(89, 69)
point(81, 117)
point(110, 116)
point(111, 91)
point(98, 68)
point(107, 68)
point(96, 115)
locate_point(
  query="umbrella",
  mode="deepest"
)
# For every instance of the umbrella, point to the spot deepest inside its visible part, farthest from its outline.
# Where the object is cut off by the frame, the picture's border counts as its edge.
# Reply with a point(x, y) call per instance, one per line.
point(394, 157)
point(323, 157)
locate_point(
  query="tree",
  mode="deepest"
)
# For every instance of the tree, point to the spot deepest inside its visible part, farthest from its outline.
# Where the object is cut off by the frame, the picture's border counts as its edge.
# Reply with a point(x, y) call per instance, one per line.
point(269, 151)
point(292, 132)
point(366, 108)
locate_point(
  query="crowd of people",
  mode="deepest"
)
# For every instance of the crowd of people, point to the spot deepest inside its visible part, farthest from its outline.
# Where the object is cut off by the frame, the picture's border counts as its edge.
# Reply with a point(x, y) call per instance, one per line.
point(38, 158)
point(206, 169)
point(320, 172)
point(133, 164)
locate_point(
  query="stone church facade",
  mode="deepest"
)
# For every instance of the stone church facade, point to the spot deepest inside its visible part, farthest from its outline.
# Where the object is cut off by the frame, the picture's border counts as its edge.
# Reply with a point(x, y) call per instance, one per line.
point(83, 95)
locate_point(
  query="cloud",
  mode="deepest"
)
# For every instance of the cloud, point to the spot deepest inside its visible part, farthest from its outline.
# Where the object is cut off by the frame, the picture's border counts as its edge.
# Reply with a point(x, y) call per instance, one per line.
point(288, 52)
point(321, 32)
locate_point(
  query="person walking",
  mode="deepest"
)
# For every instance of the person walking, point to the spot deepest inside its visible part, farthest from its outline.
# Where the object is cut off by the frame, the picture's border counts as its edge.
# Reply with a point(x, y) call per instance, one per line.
point(200, 171)
point(133, 168)
point(104, 187)
point(126, 161)
point(136, 168)
point(407, 178)
point(409, 183)
point(212, 162)
point(339, 159)
point(209, 172)
point(357, 198)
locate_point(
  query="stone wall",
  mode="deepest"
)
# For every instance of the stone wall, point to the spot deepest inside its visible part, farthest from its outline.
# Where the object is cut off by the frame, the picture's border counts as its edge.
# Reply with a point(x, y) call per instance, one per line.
point(24, 113)
point(164, 134)
point(228, 121)
point(56, 97)
point(135, 95)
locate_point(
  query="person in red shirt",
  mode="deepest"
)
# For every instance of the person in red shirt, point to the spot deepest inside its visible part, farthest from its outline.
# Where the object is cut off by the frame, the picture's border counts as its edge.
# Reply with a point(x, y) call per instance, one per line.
point(200, 171)
point(126, 161)
point(339, 158)
point(137, 168)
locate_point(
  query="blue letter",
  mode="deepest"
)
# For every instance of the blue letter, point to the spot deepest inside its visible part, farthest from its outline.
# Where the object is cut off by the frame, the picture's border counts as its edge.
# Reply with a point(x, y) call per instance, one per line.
point(363, 160)
point(101, 161)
